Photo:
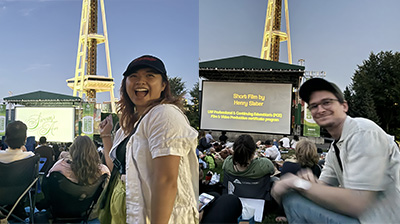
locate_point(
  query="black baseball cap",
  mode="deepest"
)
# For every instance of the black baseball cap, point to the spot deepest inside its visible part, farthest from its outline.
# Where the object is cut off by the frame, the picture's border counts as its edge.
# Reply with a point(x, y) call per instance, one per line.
point(144, 62)
point(318, 84)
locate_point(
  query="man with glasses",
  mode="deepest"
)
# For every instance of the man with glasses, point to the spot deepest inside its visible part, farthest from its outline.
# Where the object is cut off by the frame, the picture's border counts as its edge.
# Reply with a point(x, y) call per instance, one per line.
point(360, 182)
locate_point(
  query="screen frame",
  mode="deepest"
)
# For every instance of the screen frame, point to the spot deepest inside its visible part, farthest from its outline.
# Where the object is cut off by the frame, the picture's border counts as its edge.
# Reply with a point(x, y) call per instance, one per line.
point(291, 111)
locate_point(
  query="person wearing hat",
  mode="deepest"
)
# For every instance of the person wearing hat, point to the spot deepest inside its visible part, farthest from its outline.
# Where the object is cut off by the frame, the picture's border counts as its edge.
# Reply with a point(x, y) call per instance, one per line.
point(160, 167)
point(360, 182)
point(15, 139)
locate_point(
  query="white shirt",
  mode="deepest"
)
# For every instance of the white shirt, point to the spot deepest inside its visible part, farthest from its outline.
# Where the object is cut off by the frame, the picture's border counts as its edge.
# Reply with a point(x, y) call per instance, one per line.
point(11, 155)
point(371, 161)
point(163, 131)
point(293, 144)
point(209, 138)
point(273, 153)
point(285, 141)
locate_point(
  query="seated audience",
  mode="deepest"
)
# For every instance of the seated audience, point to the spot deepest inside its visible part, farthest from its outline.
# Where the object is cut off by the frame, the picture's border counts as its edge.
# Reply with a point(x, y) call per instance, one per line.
point(204, 145)
point(223, 138)
point(271, 151)
point(294, 141)
point(243, 161)
point(306, 157)
point(45, 151)
point(209, 137)
point(15, 139)
point(285, 142)
point(84, 166)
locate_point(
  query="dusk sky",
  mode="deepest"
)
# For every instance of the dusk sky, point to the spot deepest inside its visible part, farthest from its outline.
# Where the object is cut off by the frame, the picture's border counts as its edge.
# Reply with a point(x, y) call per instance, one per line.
point(39, 38)
point(39, 41)
point(331, 36)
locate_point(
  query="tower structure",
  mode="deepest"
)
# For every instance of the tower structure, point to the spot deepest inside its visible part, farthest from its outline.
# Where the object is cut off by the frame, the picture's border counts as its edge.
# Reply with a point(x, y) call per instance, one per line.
point(86, 80)
point(272, 31)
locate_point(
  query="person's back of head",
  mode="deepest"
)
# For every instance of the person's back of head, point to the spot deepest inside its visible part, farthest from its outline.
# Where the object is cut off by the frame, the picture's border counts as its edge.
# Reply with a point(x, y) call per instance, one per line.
point(85, 160)
point(42, 140)
point(306, 153)
point(244, 148)
point(267, 143)
point(296, 138)
point(15, 134)
point(202, 134)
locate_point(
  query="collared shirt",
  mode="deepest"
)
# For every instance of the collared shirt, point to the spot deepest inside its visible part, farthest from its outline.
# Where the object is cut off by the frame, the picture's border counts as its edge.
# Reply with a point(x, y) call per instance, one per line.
point(11, 155)
point(371, 161)
point(163, 131)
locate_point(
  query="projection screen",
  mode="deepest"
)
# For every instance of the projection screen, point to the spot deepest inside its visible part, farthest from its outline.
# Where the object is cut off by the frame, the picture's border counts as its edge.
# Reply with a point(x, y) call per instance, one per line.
point(55, 123)
point(246, 107)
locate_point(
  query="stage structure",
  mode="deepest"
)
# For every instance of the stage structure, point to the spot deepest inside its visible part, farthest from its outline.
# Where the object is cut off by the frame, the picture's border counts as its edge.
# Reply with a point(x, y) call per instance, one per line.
point(86, 81)
point(248, 94)
point(272, 31)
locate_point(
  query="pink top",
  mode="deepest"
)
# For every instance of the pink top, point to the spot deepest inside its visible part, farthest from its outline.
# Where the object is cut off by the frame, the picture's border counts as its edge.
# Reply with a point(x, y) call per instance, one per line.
point(65, 168)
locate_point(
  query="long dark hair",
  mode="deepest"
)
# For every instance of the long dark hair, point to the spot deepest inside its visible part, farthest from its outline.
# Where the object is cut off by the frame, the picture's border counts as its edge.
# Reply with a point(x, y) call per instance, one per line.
point(127, 109)
point(243, 150)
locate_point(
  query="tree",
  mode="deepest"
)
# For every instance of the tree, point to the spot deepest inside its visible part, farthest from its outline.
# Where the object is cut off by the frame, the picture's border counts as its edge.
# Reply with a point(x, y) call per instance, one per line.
point(193, 112)
point(177, 86)
point(375, 90)
point(191, 106)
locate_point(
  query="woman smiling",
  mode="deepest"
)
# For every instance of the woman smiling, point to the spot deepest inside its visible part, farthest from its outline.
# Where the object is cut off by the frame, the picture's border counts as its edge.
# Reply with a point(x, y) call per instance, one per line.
point(155, 147)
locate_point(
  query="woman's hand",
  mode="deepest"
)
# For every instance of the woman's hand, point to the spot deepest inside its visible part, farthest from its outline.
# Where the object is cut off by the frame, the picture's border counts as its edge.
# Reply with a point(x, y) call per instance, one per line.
point(106, 125)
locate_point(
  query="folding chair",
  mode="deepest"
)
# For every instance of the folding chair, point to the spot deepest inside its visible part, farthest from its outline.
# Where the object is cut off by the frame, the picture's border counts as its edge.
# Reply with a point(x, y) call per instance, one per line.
point(249, 188)
point(68, 201)
point(17, 179)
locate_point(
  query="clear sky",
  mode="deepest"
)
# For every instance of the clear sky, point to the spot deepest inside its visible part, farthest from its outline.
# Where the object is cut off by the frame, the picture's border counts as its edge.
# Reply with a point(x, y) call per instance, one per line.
point(39, 41)
point(331, 36)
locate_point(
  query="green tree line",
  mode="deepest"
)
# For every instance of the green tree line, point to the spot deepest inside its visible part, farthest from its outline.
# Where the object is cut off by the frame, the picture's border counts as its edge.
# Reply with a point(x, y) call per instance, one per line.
point(374, 92)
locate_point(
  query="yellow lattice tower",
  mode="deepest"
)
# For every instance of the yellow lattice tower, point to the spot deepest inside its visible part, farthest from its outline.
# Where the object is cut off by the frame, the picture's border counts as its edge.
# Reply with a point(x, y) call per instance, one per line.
point(272, 31)
point(90, 83)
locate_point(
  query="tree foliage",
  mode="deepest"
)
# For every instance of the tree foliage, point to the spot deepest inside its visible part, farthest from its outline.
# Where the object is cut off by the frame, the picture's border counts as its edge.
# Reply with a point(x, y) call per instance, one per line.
point(192, 105)
point(375, 90)
point(177, 86)
point(193, 113)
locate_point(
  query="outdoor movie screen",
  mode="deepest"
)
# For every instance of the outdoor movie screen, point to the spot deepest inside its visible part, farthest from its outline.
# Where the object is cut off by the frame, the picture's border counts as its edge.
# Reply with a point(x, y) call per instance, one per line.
point(246, 107)
point(55, 123)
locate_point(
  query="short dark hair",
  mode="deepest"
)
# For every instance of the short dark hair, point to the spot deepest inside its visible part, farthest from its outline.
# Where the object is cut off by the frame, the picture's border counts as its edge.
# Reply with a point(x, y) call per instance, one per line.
point(42, 140)
point(15, 134)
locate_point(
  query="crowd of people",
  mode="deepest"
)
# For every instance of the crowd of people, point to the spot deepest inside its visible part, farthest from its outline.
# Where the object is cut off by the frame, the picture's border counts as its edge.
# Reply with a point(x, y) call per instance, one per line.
point(158, 164)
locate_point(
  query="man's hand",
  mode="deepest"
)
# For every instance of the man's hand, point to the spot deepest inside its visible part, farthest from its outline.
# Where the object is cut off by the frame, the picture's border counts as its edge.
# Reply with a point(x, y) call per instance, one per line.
point(282, 186)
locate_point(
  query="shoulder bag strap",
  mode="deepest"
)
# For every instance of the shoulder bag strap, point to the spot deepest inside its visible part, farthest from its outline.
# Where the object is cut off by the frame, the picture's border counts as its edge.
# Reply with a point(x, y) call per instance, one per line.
point(337, 153)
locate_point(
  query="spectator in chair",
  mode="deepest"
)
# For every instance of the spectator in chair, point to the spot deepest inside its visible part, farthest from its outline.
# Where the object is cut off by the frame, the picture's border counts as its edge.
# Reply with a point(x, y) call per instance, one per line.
point(45, 151)
point(306, 158)
point(360, 182)
point(84, 166)
point(243, 161)
point(15, 139)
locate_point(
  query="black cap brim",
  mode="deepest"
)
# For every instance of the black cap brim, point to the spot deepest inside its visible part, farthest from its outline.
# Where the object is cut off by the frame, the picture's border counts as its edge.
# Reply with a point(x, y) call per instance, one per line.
point(318, 84)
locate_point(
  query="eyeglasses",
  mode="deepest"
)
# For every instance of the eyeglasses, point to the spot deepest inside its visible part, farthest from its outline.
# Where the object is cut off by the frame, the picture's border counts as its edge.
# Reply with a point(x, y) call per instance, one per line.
point(326, 104)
